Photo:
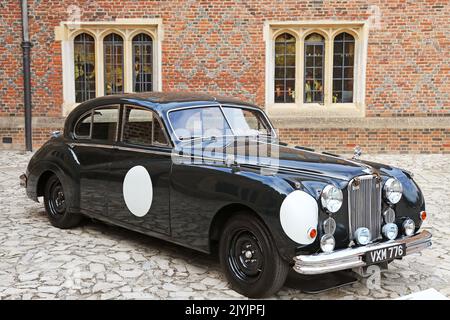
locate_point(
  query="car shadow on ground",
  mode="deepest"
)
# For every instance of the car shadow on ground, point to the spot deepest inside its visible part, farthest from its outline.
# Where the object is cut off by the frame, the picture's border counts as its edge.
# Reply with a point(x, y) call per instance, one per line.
point(295, 281)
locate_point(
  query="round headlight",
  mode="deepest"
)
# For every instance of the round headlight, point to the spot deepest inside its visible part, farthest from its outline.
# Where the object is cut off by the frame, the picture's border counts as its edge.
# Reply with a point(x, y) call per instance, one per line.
point(362, 236)
point(393, 190)
point(389, 215)
point(331, 198)
point(390, 231)
point(408, 227)
point(327, 243)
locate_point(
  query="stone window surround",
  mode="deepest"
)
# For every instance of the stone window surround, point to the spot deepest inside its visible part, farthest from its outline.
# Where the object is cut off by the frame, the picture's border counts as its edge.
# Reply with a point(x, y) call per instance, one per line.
point(127, 29)
point(329, 29)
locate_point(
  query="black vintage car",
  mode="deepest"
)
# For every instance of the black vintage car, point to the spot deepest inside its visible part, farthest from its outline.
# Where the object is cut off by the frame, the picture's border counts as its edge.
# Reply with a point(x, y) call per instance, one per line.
point(209, 173)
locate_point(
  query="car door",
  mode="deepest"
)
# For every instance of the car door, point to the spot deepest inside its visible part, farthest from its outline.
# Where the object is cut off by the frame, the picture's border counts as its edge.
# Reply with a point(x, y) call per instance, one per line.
point(138, 193)
point(95, 135)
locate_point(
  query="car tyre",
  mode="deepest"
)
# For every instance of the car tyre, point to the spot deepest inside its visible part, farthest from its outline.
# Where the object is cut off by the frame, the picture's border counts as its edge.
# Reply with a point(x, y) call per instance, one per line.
point(250, 259)
point(55, 202)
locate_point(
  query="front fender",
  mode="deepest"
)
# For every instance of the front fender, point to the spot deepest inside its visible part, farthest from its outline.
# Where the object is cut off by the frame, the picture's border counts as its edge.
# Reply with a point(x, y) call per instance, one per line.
point(55, 157)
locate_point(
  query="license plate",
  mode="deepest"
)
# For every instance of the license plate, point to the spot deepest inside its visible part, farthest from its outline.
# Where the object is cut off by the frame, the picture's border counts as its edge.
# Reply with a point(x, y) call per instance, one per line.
point(385, 254)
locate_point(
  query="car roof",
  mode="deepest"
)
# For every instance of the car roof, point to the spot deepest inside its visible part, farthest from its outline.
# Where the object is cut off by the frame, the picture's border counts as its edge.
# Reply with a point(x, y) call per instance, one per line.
point(164, 101)
point(161, 102)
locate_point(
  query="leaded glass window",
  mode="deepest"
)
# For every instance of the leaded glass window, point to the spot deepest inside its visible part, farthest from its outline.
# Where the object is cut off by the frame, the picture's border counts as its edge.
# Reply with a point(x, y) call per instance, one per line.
point(143, 64)
point(314, 68)
point(344, 51)
point(285, 68)
point(84, 67)
point(113, 63)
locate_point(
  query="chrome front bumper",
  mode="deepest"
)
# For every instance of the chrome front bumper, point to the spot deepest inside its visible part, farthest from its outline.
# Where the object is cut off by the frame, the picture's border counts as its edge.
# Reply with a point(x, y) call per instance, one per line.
point(354, 257)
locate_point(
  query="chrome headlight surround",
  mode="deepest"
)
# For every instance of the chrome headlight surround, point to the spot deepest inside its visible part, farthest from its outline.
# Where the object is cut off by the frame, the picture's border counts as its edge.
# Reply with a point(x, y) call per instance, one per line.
point(393, 190)
point(331, 198)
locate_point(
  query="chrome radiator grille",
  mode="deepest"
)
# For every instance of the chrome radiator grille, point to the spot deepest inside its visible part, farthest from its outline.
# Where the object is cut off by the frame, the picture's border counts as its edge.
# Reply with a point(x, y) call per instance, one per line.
point(364, 205)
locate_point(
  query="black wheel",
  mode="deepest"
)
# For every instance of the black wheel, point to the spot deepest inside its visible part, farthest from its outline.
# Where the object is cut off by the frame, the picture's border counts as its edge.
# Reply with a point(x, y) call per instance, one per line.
point(250, 258)
point(55, 202)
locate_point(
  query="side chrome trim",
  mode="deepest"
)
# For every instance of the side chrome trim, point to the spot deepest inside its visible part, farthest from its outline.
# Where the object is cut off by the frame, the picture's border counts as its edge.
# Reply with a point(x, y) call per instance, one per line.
point(162, 153)
point(93, 145)
point(354, 257)
point(106, 146)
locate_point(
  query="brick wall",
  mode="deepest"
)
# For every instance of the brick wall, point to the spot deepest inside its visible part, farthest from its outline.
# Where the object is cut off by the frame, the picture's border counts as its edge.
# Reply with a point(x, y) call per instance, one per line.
point(218, 47)
point(371, 140)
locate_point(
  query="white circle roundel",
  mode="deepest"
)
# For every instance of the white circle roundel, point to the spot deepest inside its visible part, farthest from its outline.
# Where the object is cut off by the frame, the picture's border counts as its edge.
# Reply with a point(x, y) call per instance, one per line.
point(298, 213)
point(138, 191)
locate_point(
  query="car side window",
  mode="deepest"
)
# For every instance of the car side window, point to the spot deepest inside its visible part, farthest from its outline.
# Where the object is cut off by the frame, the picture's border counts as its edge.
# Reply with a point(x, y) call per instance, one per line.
point(142, 127)
point(83, 127)
point(104, 123)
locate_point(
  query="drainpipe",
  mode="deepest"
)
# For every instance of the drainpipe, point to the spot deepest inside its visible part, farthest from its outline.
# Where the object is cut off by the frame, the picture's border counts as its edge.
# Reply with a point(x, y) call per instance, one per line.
point(26, 46)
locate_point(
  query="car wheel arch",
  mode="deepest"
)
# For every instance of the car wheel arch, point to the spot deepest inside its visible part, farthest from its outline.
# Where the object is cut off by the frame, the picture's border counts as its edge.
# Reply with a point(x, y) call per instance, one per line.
point(223, 215)
point(42, 181)
point(47, 170)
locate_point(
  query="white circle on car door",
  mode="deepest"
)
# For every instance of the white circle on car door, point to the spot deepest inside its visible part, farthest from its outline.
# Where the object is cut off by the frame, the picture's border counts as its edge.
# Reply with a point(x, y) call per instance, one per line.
point(138, 191)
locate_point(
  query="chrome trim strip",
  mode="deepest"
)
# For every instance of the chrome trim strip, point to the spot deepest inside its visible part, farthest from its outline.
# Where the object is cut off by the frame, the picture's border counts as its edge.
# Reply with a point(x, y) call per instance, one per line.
point(353, 257)
point(94, 145)
point(168, 153)
point(105, 146)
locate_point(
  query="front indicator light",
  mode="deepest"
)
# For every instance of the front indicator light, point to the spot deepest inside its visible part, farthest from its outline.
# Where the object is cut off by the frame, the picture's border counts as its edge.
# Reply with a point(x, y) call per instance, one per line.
point(423, 215)
point(327, 243)
point(408, 227)
point(390, 231)
point(312, 233)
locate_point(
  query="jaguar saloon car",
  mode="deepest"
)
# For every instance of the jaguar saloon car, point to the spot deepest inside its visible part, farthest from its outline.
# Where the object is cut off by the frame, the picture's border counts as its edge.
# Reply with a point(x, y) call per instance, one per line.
point(210, 173)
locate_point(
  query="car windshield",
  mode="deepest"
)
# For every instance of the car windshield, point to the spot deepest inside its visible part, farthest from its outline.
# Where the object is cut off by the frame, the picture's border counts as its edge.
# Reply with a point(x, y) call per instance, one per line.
point(207, 122)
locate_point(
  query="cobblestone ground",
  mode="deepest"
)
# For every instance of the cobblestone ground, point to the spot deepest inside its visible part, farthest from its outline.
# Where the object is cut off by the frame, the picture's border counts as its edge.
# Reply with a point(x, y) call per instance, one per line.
point(97, 261)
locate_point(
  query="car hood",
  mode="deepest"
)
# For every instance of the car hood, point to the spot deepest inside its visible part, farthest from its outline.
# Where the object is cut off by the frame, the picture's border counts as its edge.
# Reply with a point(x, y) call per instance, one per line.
point(273, 156)
point(309, 162)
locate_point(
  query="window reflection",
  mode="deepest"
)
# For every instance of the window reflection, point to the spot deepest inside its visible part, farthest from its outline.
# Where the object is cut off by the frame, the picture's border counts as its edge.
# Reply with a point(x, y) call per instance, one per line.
point(314, 61)
point(285, 68)
point(113, 63)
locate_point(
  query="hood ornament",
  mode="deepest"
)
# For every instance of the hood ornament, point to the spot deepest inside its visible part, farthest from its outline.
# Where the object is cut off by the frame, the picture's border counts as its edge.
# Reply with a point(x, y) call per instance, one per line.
point(357, 153)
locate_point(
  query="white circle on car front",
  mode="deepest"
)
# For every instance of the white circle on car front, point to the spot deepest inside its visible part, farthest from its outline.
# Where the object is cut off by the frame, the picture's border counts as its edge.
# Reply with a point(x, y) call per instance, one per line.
point(298, 214)
point(138, 191)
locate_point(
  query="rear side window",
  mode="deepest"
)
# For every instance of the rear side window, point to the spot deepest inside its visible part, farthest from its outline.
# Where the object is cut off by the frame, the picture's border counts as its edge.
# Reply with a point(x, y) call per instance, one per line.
point(104, 123)
point(142, 127)
point(83, 126)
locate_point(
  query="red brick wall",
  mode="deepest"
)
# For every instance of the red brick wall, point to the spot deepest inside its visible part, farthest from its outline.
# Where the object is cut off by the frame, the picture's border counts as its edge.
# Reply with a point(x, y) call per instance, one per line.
point(218, 47)
point(371, 140)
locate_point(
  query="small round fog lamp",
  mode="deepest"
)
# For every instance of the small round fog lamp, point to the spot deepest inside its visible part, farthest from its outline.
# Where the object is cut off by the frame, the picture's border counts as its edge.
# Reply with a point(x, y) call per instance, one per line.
point(362, 236)
point(390, 231)
point(327, 243)
point(408, 227)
